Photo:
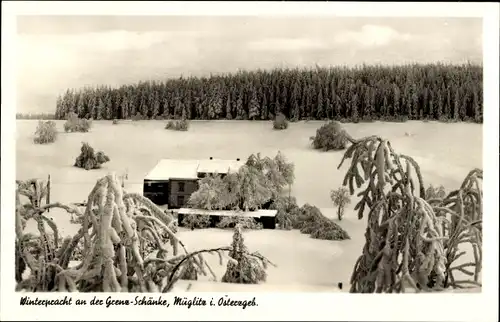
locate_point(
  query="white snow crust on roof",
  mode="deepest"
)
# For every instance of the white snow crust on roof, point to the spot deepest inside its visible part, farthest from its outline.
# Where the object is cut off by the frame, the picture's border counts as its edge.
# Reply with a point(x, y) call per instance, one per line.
point(167, 169)
point(219, 166)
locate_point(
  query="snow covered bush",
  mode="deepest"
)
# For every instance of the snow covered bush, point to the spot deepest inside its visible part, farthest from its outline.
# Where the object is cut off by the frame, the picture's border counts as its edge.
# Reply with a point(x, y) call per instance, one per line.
point(313, 222)
point(46, 132)
point(183, 125)
point(196, 221)
point(170, 125)
point(75, 124)
point(330, 136)
point(88, 159)
point(280, 122)
point(288, 210)
point(137, 117)
point(177, 125)
point(245, 222)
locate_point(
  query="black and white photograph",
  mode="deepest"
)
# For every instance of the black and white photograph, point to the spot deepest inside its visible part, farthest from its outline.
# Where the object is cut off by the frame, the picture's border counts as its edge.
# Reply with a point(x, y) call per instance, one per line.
point(193, 154)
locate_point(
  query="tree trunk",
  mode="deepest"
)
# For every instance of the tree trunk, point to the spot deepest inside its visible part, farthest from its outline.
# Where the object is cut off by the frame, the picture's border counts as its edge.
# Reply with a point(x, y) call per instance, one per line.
point(340, 212)
point(47, 198)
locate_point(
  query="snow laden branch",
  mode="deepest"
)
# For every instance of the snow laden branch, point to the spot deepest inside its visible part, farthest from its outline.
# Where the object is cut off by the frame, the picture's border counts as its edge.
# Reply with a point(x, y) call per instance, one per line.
point(462, 210)
point(409, 241)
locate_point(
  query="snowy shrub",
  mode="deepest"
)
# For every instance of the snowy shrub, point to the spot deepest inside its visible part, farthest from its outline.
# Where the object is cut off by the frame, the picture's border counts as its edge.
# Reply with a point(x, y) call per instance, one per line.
point(137, 117)
point(327, 231)
point(288, 210)
point(183, 125)
point(395, 118)
point(280, 122)
point(46, 132)
point(75, 124)
point(243, 268)
point(245, 222)
point(196, 221)
point(177, 125)
point(330, 136)
point(89, 159)
point(170, 125)
point(313, 222)
point(115, 121)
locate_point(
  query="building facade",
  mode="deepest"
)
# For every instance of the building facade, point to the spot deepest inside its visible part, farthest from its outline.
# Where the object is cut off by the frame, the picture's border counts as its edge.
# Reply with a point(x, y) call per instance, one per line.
point(180, 191)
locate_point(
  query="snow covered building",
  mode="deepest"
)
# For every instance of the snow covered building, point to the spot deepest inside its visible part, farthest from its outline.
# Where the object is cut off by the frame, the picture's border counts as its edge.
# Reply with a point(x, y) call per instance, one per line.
point(171, 182)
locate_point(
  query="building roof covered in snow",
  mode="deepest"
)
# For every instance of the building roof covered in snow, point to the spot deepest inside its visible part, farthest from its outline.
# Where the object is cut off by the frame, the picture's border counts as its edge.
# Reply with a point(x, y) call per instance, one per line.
point(234, 166)
point(219, 166)
point(167, 169)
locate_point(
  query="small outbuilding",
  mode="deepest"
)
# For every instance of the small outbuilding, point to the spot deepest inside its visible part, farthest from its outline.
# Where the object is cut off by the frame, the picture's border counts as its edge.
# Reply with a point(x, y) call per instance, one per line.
point(266, 217)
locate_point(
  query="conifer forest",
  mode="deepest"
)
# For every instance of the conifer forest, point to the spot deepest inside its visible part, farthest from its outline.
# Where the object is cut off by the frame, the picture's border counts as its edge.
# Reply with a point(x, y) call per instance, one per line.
point(391, 93)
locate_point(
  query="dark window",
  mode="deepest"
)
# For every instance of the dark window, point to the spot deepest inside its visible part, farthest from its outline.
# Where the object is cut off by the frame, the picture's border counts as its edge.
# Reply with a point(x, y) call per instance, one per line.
point(147, 187)
point(181, 186)
point(180, 201)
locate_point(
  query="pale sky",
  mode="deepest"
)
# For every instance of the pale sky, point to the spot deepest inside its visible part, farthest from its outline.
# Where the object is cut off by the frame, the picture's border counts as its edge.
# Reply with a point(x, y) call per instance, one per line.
point(57, 52)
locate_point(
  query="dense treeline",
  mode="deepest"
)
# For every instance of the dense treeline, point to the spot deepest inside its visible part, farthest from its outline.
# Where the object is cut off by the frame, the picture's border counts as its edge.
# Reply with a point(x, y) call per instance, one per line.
point(434, 91)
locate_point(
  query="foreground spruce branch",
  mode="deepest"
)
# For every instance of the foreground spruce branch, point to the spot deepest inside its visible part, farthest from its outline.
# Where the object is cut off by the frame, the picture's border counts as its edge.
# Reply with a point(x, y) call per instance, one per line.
point(410, 241)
